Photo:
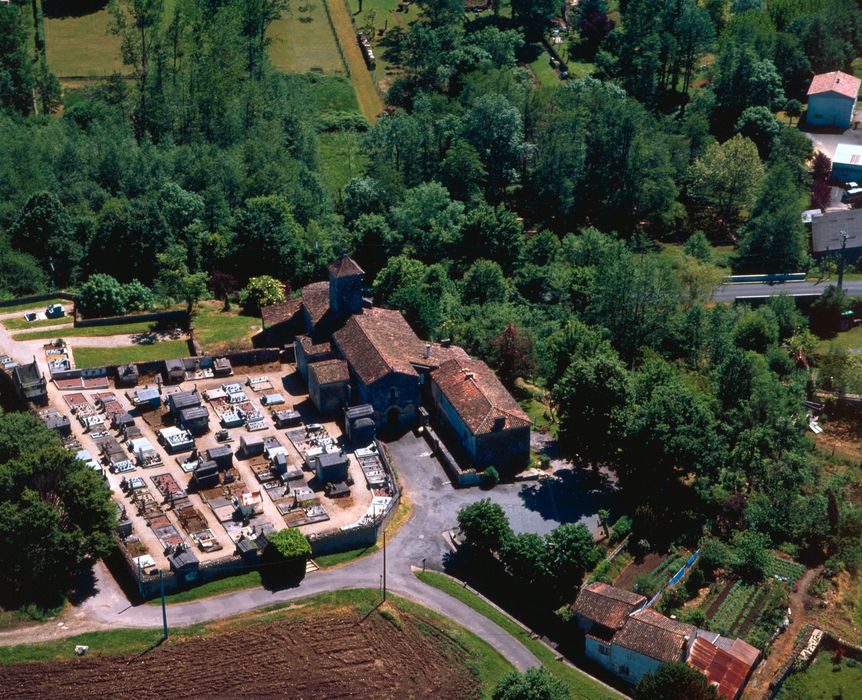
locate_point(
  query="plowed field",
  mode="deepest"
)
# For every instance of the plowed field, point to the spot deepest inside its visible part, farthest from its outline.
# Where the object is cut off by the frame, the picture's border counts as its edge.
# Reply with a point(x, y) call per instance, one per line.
point(334, 654)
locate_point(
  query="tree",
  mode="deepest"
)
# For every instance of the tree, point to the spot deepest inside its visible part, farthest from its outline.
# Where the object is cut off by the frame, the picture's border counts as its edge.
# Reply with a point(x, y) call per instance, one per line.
point(256, 18)
point(591, 397)
point(268, 240)
point(174, 281)
point(16, 71)
point(427, 222)
point(462, 171)
point(44, 229)
point(262, 291)
point(495, 128)
point(102, 295)
point(675, 681)
point(512, 355)
point(533, 15)
point(493, 233)
point(484, 282)
point(484, 525)
point(532, 684)
point(793, 108)
point(222, 285)
point(749, 554)
point(138, 24)
point(698, 246)
point(727, 177)
point(286, 553)
point(826, 311)
point(526, 558)
point(759, 125)
point(571, 553)
point(775, 239)
point(55, 513)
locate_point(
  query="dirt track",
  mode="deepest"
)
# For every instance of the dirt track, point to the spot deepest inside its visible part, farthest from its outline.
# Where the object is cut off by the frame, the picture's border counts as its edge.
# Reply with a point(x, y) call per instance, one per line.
point(330, 655)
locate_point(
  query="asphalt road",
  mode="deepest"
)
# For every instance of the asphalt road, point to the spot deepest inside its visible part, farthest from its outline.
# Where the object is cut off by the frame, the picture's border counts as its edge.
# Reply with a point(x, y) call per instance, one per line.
point(729, 292)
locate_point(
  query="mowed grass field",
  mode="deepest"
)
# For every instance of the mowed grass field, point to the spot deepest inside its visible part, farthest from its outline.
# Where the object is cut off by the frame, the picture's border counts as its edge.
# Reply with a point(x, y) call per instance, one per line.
point(79, 45)
point(303, 41)
point(101, 357)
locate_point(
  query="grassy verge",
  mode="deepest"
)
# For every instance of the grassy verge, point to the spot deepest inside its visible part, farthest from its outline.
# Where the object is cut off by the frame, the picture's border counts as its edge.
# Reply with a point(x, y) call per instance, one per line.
point(341, 158)
point(579, 684)
point(100, 357)
point(89, 331)
point(32, 306)
point(846, 340)
point(21, 324)
point(479, 656)
point(823, 680)
point(231, 584)
point(219, 330)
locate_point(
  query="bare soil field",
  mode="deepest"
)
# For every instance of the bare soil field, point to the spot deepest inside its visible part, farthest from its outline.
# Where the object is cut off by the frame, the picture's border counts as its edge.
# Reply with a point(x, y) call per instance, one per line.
point(627, 578)
point(333, 654)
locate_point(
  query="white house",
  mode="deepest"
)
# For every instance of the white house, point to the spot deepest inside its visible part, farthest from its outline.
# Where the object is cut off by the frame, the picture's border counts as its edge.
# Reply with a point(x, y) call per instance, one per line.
point(832, 99)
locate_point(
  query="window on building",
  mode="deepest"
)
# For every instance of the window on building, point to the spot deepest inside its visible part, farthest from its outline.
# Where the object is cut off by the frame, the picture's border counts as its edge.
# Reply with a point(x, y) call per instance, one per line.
point(606, 651)
point(624, 670)
point(393, 394)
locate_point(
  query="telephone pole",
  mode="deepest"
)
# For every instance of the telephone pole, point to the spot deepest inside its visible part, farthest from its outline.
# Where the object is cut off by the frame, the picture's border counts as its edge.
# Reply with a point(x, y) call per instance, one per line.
point(844, 237)
point(384, 565)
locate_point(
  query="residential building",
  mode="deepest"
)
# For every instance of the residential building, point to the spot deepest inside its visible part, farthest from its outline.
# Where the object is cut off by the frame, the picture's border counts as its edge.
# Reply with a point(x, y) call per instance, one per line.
point(474, 407)
point(647, 640)
point(832, 100)
point(600, 611)
point(30, 384)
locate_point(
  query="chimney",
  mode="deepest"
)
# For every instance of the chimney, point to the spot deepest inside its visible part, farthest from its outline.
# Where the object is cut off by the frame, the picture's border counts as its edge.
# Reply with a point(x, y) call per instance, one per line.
point(427, 350)
point(469, 375)
point(447, 342)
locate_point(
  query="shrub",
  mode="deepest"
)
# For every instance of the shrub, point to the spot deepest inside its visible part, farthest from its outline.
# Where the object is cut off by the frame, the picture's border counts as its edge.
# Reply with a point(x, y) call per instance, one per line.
point(646, 584)
point(262, 291)
point(491, 477)
point(622, 528)
point(290, 543)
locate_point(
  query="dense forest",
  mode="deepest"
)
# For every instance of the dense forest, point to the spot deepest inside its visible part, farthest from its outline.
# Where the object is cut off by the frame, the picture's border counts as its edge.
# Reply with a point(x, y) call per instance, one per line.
point(525, 223)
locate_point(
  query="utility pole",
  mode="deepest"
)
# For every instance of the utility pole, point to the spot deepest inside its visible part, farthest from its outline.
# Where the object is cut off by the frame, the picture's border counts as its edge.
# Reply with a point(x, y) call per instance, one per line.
point(841, 260)
point(384, 565)
point(164, 607)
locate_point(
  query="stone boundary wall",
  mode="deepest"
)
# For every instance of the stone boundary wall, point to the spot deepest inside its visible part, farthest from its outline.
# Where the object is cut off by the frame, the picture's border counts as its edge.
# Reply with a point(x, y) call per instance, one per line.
point(459, 477)
point(155, 316)
point(36, 298)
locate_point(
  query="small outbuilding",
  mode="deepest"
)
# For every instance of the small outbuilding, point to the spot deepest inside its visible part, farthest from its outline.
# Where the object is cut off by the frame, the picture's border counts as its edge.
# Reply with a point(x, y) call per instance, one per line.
point(175, 371)
point(359, 426)
point(331, 467)
point(286, 418)
point(148, 397)
point(251, 445)
point(128, 376)
point(222, 367)
point(206, 475)
point(185, 564)
point(847, 163)
point(222, 455)
point(195, 419)
point(30, 383)
point(183, 400)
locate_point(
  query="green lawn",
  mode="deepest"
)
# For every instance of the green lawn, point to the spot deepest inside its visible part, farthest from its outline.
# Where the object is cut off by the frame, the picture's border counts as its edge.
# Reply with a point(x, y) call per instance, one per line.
point(479, 656)
point(89, 331)
point(302, 40)
point(80, 46)
point(341, 158)
point(329, 93)
point(32, 306)
point(375, 16)
point(846, 340)
point(219, 331)
point(326, 561)
point(100, 357)
point(579, 684)
point(824, 681)
point(19, 324)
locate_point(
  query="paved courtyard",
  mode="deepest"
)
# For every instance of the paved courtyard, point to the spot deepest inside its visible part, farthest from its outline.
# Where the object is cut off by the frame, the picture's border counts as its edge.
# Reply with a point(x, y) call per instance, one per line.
point(573, 496)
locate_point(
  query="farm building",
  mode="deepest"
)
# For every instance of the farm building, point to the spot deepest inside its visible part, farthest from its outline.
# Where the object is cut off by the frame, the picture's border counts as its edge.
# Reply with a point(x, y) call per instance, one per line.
point(328, 386)
point(847, 163)
point(832, 99)
point(827, 236)
point(477, 410)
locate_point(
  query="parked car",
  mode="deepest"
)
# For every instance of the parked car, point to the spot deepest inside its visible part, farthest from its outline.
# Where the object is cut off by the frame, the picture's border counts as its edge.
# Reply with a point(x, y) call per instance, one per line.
point(852, 195)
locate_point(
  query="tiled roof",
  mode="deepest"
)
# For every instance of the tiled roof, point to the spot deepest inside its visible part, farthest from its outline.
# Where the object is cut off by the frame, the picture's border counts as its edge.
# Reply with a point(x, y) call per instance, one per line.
point(345, 266)
point(727, 670)
point(836, 81)
point(652, 634)
point(479, 398)
point(379, 341)
point(330, 371)
point(310, 348)
point(315, 298)
point(274, 314)
point(606, 605)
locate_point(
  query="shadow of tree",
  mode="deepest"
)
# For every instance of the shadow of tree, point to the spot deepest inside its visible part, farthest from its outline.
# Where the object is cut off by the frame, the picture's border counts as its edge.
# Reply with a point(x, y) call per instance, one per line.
point(78, 8)
point(571, 495)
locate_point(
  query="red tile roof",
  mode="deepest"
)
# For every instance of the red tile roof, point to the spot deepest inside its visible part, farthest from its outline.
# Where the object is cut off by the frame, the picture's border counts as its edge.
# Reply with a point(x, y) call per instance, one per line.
point(606, 605)
point(309, 347)
point(345, 266)
point(274, 314)
point(729, 671)
point(478, 396)
point(652, 634)
point(329, 371)
point(836, 81)
point(315, 298)
point(379, 341)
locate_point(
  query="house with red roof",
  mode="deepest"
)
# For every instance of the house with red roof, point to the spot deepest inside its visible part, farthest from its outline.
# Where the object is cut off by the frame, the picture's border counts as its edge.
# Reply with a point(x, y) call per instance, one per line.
point(832, 99)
